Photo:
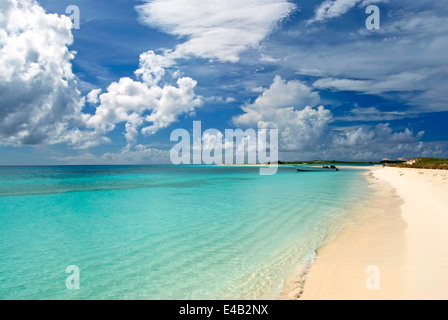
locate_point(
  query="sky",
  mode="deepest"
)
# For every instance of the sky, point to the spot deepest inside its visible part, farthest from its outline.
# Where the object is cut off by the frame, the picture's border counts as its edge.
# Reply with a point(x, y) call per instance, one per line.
point(113, 91)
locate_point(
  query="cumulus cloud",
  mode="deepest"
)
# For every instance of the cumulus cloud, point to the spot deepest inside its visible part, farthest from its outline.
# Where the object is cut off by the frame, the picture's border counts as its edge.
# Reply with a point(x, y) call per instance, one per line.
point(94, 96)
point(76, 138)
point(40, 101)
point(281, 94)
point(38, 91)
point(39, 97)
point(123, 101)
point(367, 143)
point(286, 106)
point(175, 101)
point(152, 67)
point(215, 29)
point(307, 132)
point(301, 130)
point(376, 142)
point(137, 103)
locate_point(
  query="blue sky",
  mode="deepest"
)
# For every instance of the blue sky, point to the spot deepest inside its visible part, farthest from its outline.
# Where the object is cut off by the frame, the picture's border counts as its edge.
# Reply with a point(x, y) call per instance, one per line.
point(114, 90)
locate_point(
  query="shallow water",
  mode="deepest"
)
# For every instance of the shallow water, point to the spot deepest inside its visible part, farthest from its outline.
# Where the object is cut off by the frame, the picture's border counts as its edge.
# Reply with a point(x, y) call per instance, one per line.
point(165, 232)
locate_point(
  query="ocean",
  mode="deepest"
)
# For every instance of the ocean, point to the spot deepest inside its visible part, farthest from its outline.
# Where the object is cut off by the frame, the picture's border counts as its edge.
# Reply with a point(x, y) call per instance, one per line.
point(167, 232)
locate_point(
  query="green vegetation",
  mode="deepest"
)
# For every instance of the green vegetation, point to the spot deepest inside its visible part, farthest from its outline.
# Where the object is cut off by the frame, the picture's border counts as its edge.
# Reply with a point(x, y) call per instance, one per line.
point(425, 163)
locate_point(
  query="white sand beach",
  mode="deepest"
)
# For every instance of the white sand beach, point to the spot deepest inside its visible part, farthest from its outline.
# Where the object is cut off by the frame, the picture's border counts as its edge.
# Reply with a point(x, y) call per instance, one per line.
point(406, 239)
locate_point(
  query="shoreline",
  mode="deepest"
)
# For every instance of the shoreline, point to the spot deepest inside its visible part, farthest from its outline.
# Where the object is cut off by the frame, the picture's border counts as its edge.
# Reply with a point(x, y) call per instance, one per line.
point(403, 235)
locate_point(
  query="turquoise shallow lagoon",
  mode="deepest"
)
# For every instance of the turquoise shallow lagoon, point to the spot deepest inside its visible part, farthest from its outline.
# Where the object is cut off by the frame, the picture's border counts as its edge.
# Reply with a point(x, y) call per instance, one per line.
point(166, 232)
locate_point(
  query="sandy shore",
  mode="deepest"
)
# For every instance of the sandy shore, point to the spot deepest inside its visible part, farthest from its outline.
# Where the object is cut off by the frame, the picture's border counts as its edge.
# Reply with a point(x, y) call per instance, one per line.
point(403, 238)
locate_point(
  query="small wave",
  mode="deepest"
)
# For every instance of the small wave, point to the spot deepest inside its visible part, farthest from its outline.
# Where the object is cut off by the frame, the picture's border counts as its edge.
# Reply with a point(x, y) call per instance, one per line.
point(293, 287)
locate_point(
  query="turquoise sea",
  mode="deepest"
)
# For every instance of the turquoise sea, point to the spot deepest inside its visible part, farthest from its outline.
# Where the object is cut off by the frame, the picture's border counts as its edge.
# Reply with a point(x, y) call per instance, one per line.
point(166, 232)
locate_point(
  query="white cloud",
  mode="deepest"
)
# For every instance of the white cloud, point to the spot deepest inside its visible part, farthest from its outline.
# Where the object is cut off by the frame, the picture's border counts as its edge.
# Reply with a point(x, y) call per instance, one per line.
point(219, 99)
point(78, 139)
point(302, 130)
point(94, 96)
point(286, 106)
point(307, 133)
point(396, 82)
point(123, 101)
point(175, 101)
point(343, 84)
point(140, 155)
point(281, 94)
point(372, 114)
point(381, 138)
point(421, 90)
point(137, 103)
point(355, 138)
point(38, 91)
point(403, 61)
point(212, 29)
point(152, 67)
point(215, 29)
point(39, 97)
point(268, 59)
point(366, 3)
point(333, 8)
point(367, 143)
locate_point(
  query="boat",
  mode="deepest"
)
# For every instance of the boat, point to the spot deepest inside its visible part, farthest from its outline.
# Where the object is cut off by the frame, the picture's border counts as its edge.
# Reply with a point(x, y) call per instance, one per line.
point(316, 169)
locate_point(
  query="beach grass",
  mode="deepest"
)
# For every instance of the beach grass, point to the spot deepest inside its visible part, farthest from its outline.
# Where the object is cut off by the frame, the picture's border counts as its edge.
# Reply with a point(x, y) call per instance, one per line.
point(425, 163)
